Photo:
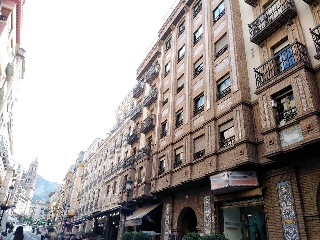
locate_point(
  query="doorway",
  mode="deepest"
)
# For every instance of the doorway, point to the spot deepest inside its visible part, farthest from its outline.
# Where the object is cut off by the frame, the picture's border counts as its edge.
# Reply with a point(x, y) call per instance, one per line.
point(187, 222)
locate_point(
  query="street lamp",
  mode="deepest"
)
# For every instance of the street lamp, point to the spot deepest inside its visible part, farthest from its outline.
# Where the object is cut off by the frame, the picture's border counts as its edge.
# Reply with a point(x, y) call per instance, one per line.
point(5, 206)
point(128, 189)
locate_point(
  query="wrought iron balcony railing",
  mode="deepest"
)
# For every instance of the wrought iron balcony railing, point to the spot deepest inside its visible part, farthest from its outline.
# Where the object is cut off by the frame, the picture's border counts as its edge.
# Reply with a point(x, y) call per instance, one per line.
point(286, 115)
point(129, 161)
point(252, 3)
point(199, 154)
point(152, 73)
point(315, 33)
point(144, 152)
point(132, 137)
point(198, 70)
point(177, 163)
point(150, 98)
point(289, 57)
point(274, 17)
point(163, 134)
point(198, 110)
point(224, 93)
point(227, 142)
point(221, 51)
point(135, 112)
point(218, 17)
point(138, 90)
point(179, 123)
point(161, 171)
point(147, 124)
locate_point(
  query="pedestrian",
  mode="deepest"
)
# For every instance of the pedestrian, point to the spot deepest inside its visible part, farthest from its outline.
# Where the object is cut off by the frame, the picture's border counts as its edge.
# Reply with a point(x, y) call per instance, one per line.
point(18, 234)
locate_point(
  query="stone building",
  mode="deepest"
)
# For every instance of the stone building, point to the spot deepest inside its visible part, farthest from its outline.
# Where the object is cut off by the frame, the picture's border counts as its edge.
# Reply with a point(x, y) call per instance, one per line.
point(223, 131)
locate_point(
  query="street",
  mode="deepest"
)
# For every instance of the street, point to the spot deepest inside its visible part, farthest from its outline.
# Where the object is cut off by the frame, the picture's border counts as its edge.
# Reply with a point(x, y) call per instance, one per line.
point(27, 231)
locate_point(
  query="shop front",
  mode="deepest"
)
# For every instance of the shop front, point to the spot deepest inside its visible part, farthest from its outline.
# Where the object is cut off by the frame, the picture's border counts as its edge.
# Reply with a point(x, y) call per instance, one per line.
point(239, 205)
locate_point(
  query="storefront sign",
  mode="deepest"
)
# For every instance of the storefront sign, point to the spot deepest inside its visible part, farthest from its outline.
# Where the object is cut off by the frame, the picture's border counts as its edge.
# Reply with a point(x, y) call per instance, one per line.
point(232, 181)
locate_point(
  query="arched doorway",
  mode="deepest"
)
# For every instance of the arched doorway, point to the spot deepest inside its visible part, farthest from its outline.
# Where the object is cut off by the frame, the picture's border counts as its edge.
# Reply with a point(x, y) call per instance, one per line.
point(187, 222)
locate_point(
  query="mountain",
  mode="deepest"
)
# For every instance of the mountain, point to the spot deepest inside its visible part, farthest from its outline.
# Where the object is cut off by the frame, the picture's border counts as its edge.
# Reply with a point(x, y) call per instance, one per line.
point(43, 188)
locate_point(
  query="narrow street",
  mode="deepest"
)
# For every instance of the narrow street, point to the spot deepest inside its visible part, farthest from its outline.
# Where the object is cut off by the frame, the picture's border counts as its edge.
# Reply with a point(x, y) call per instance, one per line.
point(27, 230)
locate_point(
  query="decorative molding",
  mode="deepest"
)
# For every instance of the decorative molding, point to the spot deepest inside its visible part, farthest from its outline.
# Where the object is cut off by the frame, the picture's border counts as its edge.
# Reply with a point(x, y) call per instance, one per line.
point(302, 94)
point(266, 123)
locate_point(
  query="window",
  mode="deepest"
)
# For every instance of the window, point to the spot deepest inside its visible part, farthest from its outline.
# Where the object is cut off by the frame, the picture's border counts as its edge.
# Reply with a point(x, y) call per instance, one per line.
point(179, 118)
point(224, 88)
point(221, 46)
point(198, 104)
point(181, 53)
point(199, 147)
point(162, 166)
point(180, 83)
point(197, 8)
point(197, 35)
point(178, 156)
point(227, 135)
point(218, 12)
point(167, 69)
point(164, 128)
point(140, 170)
point(198, 67)
point(284, 59)
point(168, 44)
point(181, 27)
point(108, 190)
point(285, 106)
point(165, 97)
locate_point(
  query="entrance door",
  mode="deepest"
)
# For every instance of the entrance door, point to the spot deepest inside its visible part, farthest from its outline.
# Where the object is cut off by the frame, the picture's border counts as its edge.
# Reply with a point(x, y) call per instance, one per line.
point(187, 222)
point(245, 223)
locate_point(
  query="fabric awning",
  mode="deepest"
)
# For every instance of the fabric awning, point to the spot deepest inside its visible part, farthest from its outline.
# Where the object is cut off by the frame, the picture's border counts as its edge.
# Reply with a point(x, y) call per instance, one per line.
point(136, 217)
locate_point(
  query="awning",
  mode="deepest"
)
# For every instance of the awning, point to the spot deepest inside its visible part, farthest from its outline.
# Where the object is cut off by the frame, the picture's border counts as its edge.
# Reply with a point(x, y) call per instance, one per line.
point(136, 217)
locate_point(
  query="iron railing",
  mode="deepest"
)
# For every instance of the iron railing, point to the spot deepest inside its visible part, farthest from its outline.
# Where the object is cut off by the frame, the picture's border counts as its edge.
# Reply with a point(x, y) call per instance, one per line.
point(147, 124)
point(199, 154)
point(224, 92)
point(132, 137)
point(287, 58)
point(221, 51)
point(286, 115)
point(315, 33)
point(179, 123)
point(152, 73)
point(198, 110)
point(274, 17)
point(135, 112)
point(151, 97)
point(177, 163)
point(219, 16)
point(138, 89)
point(227, 142)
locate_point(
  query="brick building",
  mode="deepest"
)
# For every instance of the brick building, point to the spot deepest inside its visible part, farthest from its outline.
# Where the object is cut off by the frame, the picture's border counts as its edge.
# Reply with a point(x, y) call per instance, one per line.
point(224, 127)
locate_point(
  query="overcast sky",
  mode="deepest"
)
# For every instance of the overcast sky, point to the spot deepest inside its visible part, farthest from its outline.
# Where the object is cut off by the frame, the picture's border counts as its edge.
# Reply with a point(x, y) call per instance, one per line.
point(81, 61)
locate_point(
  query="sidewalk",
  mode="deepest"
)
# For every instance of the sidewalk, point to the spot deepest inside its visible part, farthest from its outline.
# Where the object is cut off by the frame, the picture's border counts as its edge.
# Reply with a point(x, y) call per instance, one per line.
point(8, 236)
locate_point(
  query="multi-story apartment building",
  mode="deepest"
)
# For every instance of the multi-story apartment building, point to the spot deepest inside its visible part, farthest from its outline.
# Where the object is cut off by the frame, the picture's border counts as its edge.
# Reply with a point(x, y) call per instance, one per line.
point(224, 128)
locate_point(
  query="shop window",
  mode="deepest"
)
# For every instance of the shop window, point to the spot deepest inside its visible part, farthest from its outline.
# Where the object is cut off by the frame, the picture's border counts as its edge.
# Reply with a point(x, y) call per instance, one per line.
point(179, 118)
point(180, 83)
point(197, 35)
point(198, 105)
point(218, 12)
point(221, 46)
point(224, 88)
point(284, 105)
point(227, 134)
point(164, 129)
point(181, 53)
point(178, 157)
point(162, 166)
point(198, 67)
point(199, 147)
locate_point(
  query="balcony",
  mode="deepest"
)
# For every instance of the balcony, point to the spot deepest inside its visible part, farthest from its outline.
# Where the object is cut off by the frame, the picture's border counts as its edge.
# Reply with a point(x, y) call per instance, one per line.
point(147, 124)
point(286, 115)
point(273, 18)
point(221, 51)
point(315, 33)
point(227, 142)
point(198, 110)
point(150, 98)
point(161, 171)
point(199, 154)
point(177, 163)
point(252, 3)
point(144, 152)
point(135, 112)
point(152, 73)
point(138, 90)
point(289, 57)
point(132, 137)
point(129, 161)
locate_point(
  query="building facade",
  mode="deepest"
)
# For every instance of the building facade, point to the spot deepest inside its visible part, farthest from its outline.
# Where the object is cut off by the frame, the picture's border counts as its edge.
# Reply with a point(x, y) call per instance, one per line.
point(223, 129)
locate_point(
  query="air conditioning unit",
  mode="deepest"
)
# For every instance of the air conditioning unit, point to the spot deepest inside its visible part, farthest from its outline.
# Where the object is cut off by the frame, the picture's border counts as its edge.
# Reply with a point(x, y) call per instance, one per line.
point(273, 103)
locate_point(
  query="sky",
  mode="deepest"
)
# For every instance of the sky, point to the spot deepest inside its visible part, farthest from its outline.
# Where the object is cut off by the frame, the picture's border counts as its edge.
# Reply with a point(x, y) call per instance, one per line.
point(81, 61)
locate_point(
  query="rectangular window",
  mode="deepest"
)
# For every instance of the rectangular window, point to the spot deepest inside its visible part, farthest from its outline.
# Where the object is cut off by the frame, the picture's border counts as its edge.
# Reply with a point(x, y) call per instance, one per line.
point(198, 67)
point(284, 59)
point(224, 88)
point(164, 129)
point(179, 118)
point(168, 44)
point(181, 27)
point(180, 83)
point(198, 105)
point(181, 53)
point(197, 35)
point(167, 69)
point(285, 106)
point(218, 12)
point(199, 147)
point(221, 46)
point(162, 166)
point(165, 97)
point(227, 134)
point(178, 157)
point(197, 8)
